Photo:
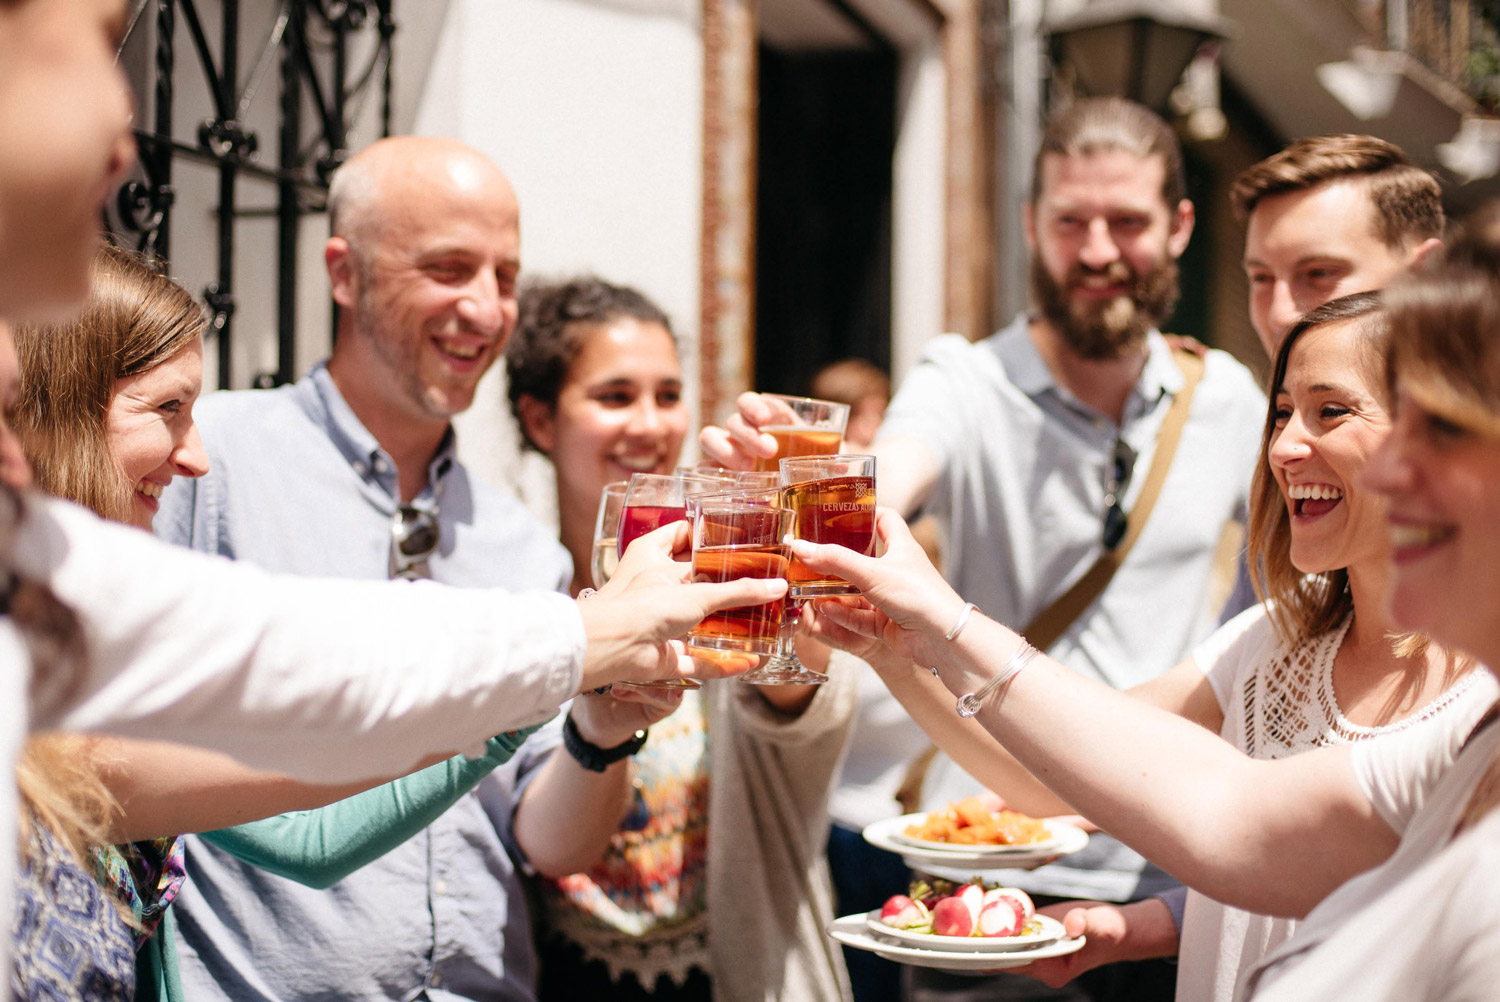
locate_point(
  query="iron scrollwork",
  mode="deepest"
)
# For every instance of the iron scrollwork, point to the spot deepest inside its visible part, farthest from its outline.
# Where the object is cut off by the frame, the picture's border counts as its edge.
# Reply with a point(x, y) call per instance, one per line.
point(310, 40)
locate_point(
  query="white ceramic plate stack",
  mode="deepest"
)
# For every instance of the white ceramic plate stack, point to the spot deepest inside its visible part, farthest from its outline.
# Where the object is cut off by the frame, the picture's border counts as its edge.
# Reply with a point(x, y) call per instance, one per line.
point(952, 953)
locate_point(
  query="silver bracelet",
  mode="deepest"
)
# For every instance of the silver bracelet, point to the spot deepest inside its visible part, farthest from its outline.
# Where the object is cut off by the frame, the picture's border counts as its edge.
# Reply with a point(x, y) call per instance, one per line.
point(970, 702)
point(963, 620)
point(958, 627)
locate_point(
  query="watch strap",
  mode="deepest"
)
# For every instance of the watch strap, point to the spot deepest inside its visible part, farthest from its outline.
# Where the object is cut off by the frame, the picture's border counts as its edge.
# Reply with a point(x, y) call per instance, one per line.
point(591, 756)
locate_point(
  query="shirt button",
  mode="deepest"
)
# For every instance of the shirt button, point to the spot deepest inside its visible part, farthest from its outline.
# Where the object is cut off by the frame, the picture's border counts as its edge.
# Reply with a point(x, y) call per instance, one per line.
point(436, 981)
point(381, 465)
point(360, 468)
point(440, 887)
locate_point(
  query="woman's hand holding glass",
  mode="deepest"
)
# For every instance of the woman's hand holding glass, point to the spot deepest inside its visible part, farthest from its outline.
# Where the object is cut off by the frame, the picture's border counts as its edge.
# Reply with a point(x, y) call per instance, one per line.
point(904, 602)
point(632, 622)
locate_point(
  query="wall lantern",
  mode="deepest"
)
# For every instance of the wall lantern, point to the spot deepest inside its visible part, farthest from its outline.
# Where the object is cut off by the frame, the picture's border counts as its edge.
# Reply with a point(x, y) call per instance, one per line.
point(1132, 48)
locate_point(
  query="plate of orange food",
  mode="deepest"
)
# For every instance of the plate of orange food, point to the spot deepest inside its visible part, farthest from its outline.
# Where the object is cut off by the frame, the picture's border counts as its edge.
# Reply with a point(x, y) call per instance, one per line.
point(968, 833)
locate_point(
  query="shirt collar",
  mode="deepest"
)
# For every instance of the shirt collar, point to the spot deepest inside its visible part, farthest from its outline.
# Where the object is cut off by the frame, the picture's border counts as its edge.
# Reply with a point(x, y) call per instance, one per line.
point(1026, 369)
point(326, 406)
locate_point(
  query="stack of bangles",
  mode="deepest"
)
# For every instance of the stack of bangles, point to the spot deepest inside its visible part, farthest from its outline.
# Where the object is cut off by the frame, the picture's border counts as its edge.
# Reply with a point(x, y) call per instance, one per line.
point(969, 703)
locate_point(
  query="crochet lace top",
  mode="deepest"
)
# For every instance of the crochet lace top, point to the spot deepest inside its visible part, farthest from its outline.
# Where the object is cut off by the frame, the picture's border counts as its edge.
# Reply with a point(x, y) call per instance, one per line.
point(1290, 706)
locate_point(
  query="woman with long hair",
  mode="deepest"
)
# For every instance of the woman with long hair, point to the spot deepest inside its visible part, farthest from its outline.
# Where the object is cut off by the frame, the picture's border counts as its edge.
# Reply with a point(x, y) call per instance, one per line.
point(1277, 837)
point(106, 415)
point(713, 886)
point(1318, 662)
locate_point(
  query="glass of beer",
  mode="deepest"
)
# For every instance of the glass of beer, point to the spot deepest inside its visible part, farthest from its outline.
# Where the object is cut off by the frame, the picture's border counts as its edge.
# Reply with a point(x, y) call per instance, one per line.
point(803, 426)
point(834, 500)
point(757, 479)
point(606, 552)
point(733, 539)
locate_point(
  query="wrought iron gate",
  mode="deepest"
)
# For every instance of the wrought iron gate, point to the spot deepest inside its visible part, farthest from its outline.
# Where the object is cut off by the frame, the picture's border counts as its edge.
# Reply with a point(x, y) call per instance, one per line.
point(309, 44)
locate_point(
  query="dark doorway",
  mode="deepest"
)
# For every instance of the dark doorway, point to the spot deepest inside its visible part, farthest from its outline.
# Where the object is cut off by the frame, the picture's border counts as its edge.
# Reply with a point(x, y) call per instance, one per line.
point(823, 212)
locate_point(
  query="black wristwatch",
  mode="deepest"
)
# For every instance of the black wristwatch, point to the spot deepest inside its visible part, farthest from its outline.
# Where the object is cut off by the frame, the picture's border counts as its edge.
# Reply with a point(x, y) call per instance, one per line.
point(591, 756)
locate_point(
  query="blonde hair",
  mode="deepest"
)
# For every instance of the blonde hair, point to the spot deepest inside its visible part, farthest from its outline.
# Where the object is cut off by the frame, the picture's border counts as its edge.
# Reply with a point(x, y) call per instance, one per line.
point(1445, 353)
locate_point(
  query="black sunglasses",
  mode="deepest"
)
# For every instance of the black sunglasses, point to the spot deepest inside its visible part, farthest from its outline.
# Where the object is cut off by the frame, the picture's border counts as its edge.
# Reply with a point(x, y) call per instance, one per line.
point(1115, 519)
point(414, 538)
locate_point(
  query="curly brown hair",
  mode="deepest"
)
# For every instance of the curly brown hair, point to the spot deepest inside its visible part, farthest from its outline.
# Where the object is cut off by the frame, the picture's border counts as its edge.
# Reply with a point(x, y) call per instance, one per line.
point(553, 319)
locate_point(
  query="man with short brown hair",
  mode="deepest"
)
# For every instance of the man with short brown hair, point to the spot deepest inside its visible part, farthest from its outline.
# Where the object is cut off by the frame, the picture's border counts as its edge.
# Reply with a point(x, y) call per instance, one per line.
point(1329, 216)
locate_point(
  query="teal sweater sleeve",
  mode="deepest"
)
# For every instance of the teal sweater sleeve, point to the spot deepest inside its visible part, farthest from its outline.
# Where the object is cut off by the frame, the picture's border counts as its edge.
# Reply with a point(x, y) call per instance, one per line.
point(323, 846)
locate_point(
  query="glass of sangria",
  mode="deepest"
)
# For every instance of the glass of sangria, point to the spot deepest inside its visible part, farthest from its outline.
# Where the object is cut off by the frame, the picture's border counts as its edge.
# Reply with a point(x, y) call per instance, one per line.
point(733, 539)
point(833, 499)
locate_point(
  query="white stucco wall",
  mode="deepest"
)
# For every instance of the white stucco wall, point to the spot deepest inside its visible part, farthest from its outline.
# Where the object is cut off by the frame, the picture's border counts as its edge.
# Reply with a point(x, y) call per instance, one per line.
point(594, 110)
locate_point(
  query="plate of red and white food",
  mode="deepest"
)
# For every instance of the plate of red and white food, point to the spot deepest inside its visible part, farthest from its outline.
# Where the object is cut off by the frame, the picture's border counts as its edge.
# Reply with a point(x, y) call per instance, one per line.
point(968, 833)
point(957, 927)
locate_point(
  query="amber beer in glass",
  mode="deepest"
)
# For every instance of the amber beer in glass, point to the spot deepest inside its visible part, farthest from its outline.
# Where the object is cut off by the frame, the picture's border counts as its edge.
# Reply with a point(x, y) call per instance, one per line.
point(803, 426)
point(735, 540)
point(833, 498)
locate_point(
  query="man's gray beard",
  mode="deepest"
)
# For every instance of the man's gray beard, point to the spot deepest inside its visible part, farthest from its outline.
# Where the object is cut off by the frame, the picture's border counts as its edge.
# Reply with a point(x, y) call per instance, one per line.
point(1120, 324)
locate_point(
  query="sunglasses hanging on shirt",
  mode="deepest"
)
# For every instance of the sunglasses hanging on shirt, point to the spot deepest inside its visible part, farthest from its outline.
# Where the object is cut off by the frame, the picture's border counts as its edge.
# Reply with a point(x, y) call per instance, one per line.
point(414, 538)
point(1122, 466)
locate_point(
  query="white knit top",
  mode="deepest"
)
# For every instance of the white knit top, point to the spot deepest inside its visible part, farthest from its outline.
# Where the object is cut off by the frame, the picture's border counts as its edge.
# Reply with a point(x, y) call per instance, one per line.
point(1277, 701)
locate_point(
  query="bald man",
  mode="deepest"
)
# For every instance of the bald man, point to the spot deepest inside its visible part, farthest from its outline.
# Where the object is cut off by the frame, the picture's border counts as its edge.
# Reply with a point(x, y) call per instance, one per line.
point(351, 472)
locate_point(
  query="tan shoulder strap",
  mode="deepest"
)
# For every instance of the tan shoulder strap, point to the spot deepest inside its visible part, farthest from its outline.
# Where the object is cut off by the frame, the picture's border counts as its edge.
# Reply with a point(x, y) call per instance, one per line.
point(1053, 621)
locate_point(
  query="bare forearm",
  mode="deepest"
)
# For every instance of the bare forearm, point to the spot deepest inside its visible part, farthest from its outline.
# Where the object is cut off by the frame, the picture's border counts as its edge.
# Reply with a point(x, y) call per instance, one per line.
point(568, 813)
point(167, 789)
point(975, 749)
point(1273, 837)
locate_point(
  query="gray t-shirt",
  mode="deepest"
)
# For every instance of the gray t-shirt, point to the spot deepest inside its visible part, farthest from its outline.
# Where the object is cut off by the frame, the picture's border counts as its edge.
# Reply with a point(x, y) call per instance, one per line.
point(1020, 499)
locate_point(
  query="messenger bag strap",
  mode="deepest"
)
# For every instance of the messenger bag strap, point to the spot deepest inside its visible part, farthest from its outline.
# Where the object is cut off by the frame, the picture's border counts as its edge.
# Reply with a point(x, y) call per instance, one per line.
point(1053, 621)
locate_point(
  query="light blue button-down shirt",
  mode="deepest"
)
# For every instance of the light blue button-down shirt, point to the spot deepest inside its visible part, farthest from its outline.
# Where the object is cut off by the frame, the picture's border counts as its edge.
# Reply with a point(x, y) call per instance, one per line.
point(298, 484)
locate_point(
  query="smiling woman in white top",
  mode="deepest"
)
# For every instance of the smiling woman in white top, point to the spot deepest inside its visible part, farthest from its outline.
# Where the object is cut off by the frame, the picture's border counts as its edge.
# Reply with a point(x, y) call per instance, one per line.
point(1319, 663)
point(1277, 837)
point(1427, 923)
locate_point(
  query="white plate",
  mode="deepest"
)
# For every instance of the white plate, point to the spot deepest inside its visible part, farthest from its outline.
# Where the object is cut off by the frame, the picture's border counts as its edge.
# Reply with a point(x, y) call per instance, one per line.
point(1051, 932)
point(1065, 838)
point(852, 931)
point(897, 833)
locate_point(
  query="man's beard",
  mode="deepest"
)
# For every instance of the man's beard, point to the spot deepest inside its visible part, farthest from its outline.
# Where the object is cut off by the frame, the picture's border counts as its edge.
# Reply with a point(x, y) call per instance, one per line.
point(1108, 328)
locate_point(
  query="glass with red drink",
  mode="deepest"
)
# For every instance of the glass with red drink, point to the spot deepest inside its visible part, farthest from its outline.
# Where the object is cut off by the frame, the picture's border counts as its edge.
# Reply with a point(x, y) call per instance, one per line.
point(654, 499)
